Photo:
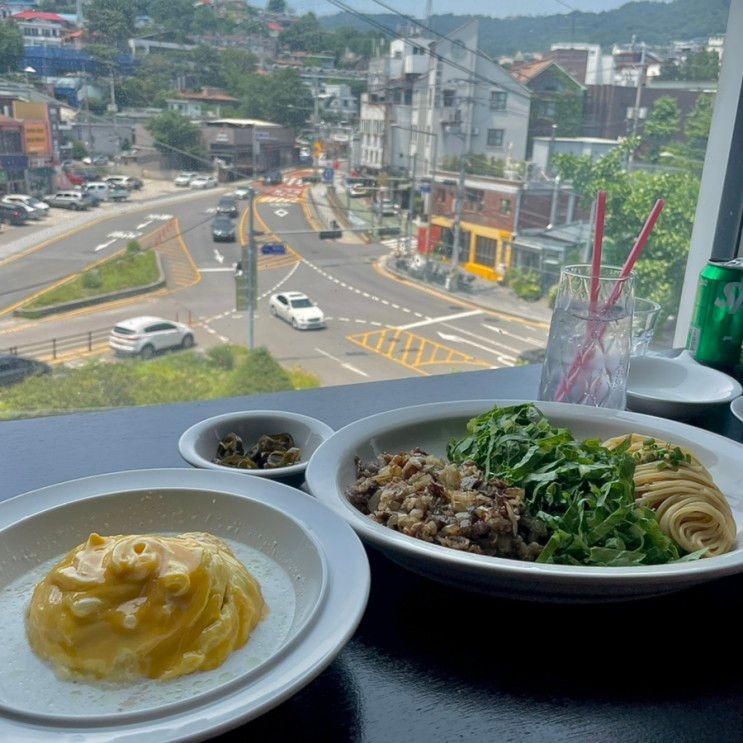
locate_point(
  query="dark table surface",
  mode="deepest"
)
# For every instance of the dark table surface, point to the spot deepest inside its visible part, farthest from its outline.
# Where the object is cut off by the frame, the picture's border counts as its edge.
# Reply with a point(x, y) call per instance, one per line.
point(429, 662)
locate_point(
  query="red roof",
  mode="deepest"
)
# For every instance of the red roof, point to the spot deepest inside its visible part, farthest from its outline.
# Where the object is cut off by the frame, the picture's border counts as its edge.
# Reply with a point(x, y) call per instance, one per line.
point(271, 26)
point(210, 94)
point(526, 71)
point(38, 15)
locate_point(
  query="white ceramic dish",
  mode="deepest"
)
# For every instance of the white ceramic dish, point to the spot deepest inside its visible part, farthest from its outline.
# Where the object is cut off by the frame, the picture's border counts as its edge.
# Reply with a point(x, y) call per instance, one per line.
point(431, 426)
point(311, 566)
point(198, 444)
point(676, 387)
point(736, 406)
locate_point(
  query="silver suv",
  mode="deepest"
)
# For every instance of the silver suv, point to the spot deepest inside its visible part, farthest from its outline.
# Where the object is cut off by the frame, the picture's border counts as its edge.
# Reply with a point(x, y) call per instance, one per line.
point(145, 336)
point(76, 200)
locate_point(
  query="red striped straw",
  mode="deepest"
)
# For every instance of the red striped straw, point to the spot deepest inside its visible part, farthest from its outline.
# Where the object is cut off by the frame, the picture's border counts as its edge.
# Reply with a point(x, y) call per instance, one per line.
point(598, 242)
point(587, 350)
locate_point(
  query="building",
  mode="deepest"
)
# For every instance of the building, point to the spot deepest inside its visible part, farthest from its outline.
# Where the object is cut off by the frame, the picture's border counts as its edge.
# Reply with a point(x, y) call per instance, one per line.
point(495, 212)
point(247, 145)
point(42, 29)
point(586, 63)
point(207, 102)
point(558, 99)
point(546, 147)
point(13, 160)
point(337, 99)
point(101, 137)
point(429, 101)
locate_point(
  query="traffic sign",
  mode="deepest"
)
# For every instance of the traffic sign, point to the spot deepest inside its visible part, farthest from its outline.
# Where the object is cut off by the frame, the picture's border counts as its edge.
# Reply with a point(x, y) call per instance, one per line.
point(424, 188)
point(327, 175)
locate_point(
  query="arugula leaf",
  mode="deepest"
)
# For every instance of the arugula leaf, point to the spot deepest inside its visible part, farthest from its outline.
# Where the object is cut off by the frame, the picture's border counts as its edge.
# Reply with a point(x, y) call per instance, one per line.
point(583, 492)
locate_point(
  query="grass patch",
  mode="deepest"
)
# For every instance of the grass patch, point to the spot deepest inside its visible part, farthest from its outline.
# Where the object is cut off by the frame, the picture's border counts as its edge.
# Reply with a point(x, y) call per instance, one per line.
point(302, 379)
point(224, 371)
point(133, 269)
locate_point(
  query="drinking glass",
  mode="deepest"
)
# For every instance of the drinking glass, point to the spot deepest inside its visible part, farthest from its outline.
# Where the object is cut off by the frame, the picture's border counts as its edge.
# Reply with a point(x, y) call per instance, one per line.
point(588, 349)
point(644, 318)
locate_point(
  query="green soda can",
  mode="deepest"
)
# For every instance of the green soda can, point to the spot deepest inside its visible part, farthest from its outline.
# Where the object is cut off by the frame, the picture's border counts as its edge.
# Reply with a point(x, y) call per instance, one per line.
point(716, 331)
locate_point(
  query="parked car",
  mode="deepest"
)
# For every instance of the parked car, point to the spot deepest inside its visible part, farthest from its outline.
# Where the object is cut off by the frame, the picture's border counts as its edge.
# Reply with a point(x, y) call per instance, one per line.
point(124, 181)
point(358, 189)
point(14, 369)
point(30, 212)
point(386, 208)
point(135, 183)
point(76, 179)
point(32, 201)
point(203, 181)
point(297, 309)
point(144, 336)
point(76, 200)
point(117, 193)
point(184, 179)
point(273, 178)
point(227, 205)
point(100, 160)
point(223, 229)
point(241, 192)
point(12, 214)
point(97, 190)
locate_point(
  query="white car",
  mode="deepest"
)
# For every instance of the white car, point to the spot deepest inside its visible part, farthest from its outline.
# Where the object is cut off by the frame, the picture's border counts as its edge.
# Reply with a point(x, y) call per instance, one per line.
point(297, 309)
point(241, 192)
point(29, 211)
point(184, 179)
point(203, 181)
point(145, 336)
point(32, 201)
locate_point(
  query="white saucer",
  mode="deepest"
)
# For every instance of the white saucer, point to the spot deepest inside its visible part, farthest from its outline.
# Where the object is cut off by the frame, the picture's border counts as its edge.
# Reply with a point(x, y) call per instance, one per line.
point(677, 387)
point(736, 407)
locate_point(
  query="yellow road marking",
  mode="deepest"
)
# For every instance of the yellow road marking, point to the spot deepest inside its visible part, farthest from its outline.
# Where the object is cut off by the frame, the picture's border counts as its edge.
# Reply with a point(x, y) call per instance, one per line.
point(395, 344)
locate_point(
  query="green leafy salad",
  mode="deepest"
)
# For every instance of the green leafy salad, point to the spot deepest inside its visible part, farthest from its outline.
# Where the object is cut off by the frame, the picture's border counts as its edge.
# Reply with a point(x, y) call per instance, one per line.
point(583, 492)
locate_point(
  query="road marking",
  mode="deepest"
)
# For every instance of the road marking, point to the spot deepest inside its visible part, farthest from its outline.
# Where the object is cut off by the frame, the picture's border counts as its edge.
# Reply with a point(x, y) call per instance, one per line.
point(434, 320)
point(217, 270)
point(451, 338)
point(159, 217)
point(341, 362)
point(517, 351)
point(280, 283)
point(526, 339)
point(280, 212)
point(144, 224)
point(218, 256)
point(104, 245)
point(122, 235)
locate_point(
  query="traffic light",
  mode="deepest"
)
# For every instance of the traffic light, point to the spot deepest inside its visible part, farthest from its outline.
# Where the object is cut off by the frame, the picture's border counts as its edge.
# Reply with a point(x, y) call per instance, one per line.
point(330, 234)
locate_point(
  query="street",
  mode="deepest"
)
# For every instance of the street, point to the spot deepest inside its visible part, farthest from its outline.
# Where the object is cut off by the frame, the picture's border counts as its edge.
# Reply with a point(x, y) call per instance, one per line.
point(378, 325)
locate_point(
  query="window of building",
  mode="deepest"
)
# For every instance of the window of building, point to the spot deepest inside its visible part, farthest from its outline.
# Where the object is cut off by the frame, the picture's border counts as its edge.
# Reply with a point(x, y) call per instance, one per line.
point(505, 206)
point(495, 137)
point(498, 100)
point(547, 109)
point(486, 249)
point(448, 98)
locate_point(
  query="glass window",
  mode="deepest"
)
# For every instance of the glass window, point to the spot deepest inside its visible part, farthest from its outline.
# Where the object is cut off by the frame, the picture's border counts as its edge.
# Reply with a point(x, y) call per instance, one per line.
point(486, 248)
point(495, 137)
point(498, 100)
point(505, 206)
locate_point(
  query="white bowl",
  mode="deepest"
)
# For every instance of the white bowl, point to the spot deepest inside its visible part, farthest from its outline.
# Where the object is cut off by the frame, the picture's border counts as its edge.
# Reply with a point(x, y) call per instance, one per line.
point(312, 569)
point(736, 407)
point(676, 387)
point(432, 426)
point(198, 445)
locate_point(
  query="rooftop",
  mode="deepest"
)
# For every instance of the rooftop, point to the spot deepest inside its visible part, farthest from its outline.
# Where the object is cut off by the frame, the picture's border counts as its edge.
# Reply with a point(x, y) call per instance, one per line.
point(240, 122)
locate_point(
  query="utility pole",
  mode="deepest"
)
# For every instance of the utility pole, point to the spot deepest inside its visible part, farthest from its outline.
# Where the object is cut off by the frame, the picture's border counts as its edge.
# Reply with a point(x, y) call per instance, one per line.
point(409, 230)
point(249, 262)
point(638, 99)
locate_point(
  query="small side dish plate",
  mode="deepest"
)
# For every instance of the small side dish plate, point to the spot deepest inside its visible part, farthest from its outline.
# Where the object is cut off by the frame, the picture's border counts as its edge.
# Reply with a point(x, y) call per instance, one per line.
point(198, 444)
point(736, 407)
point(312, 569)
point(432, 426)
point(676, 387)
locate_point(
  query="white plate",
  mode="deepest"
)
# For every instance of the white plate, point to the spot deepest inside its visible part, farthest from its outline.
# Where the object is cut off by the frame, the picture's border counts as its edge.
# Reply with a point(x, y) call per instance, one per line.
point(311, 565)
point(432, 426)
point(736, 406)
point(677, 387)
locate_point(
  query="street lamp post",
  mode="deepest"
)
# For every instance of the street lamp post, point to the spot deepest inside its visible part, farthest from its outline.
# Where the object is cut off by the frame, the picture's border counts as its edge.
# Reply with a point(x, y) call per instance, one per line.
point(249, 263)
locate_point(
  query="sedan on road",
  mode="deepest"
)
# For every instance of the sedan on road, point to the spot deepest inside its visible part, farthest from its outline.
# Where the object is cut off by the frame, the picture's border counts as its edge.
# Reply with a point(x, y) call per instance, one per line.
point(145, 336)
point(12, 214)
point(203, 181)
point(32, 201)
point(184, 179)
point(223, 229)
point(298, 309)
point(227, 205)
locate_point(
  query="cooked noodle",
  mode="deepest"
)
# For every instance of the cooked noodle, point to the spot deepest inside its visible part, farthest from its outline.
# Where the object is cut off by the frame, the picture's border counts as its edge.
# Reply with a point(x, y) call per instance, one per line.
point(690, 508)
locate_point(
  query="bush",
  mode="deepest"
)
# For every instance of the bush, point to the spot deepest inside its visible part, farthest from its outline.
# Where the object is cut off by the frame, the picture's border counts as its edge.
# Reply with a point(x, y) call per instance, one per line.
point(223, 357)
point(92, 279)
point(525, 283)
point(133, 247)
point(552, 296)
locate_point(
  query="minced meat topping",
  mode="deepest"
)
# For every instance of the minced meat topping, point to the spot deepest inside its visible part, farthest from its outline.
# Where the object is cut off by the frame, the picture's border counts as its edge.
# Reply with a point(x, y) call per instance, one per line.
point(452, 505)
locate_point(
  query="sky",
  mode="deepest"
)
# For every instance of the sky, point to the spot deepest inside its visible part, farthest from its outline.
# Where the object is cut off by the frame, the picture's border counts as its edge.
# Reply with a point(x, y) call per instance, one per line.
point(495, 8)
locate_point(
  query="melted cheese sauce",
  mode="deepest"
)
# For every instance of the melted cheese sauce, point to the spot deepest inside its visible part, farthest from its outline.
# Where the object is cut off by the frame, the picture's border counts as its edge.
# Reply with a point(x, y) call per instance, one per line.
point(122, 607)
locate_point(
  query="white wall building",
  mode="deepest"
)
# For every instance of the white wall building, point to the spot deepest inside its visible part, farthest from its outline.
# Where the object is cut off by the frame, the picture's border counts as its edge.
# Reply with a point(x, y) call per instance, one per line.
point(41, 29)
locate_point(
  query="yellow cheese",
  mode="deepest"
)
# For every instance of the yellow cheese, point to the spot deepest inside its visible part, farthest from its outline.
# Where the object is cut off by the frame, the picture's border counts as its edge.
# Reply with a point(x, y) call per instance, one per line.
point(126, 606)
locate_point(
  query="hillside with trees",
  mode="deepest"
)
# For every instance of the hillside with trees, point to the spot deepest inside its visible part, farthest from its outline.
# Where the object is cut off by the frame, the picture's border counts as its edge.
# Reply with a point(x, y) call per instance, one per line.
point(651, 22)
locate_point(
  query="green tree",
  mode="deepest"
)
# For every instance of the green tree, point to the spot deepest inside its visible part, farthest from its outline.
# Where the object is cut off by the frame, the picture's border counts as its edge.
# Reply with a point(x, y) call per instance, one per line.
point(696, 128)
point(281, 97)
point(177, 138)
point(11, 47)
point(276, 6)
point(78, 150)
point(662, 125)
point(630, 197)
point(111, 21)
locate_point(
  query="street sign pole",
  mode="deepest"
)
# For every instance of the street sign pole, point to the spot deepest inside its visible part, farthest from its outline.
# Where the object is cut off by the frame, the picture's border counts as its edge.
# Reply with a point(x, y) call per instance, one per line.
point(250, 271)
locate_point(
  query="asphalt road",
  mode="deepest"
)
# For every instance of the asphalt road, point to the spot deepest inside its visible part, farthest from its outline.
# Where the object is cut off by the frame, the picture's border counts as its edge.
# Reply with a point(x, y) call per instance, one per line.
point(378, 326)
